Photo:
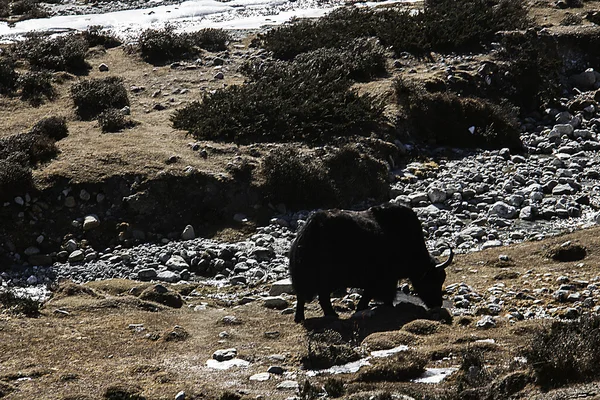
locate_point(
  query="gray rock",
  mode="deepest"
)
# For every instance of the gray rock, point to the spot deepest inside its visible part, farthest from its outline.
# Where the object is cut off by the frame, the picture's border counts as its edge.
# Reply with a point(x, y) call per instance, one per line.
point(90, 222)
point(486, 322)
point(84, 195)
point(277, 370)
point(31, 251)
point(280, 287)
point(168, 276)
point(76, 256)
point(147, 273)
point(225, 354)
point(503, 210)
point(180, 395)
point(32, 280)
point(260, 377)
point(103, 68)
point(188, 233)
point(70, 202)
point(275, 302)
point(527, 213)
point(288, 385)
point(177, 263)
point(418, 197)
point(562, 189)
point(436, 195)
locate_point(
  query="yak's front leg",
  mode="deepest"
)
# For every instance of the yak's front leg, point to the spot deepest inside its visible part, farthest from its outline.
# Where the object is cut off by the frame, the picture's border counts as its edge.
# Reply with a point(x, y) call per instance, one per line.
point(363, 304)
point(325, 302)
point(300, 301)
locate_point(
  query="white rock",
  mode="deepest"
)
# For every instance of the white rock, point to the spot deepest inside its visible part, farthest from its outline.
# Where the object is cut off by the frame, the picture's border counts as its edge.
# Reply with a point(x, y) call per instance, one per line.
point(168, 276)
point(32, 280)
point(76, 256)
point(177, 263)
point(280, 287)
point(180, 396)
point(261, 377)
point(288, 385)
point(90, 222)
point(19, 200)
point(503, 210)
point(436, 195)
point(188, 233)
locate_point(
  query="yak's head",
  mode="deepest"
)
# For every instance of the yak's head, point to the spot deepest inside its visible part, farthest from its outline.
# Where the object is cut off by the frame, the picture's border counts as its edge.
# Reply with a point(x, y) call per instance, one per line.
point(429, 285)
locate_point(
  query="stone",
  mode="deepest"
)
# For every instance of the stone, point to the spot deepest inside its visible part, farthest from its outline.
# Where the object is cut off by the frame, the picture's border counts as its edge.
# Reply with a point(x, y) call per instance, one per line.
point(486, 322)
point(503, 210)
point(280, 287)
point(527, 213)
point(225, 354)
point(31, 251)
point(188, 233)
point(276, 302)
point(288, 385)
point(103, 68)
point(90, 222)
point(70, 201)
point(147, 273)
point(436, 195)
point(177, 263)
point(76, 256)
point(32, 280)
point(219, 75)
point(180, 396)
point(84, 195)
point(561, 189)
point(418, 197)
point(564, 129)
point(274, 369)
point(260, 377)
point(168, 276)
point(19, 200)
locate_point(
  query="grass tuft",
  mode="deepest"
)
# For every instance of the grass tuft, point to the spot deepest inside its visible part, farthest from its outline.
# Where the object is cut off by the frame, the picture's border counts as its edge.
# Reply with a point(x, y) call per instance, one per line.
point(92, 97)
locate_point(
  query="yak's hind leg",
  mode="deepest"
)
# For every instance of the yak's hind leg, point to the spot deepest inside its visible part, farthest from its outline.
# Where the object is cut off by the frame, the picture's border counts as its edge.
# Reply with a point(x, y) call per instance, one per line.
point(325, 302)
point(300, 301)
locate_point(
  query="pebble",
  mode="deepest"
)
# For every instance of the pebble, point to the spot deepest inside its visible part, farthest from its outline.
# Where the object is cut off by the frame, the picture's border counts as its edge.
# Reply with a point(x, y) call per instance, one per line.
point(260, 377)
point(225, 354)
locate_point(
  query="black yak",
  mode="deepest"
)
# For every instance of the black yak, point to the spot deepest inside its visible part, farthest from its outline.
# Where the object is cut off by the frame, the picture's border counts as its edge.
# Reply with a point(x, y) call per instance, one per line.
point(370, 249)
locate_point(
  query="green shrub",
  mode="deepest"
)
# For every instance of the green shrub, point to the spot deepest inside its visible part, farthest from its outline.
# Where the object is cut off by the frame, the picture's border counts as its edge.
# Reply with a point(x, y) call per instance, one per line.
point(334, 387)
point(96, 35)
point(403, 366)
point(53, 127)
point(356, 176)
point(8, 76)
point(113, 120)
point(62, 53)
point(28, 9)
point(336, 29)
point(210, 39)
point(297, 180)
point(93, 96)
point(303, 100)
point(443, 25)
point(566, 352)
point(36, 148)
point(15, 176)
point(35, 86)
point(159, 46)
point(326, 349)
point(446, 119)
point(19, 305)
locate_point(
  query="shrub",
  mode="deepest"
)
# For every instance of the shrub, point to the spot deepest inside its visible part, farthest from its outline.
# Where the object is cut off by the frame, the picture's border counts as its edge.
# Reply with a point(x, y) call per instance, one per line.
point(8, 76)
point(53, 127)
point(15, 176)
point(4, 9)
point(327, 349)
point(93, 96)
point(20, 305)
point(443, 25)
point(62, 53)
point(304, 100)
point(96, 35)
point(334, 387)
point(35, 147)
point(402, 367)
point(210, 39)
point(164, 45)
point(566, 352)
point(35, 86)
point(113, 120)
point(446, 119)
point(295, 179)
point(356, 176)
point(28, 9)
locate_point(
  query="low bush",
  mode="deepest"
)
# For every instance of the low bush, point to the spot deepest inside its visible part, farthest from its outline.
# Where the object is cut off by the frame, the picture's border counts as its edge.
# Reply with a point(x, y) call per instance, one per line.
point(446, 119)
point(36, 148)
point(62, 53)
point(160, 46)
point(8, 76)
point(4, 9)
point(19, 305)
point(305, 100)
point(356, 176)
point(36, 86)
point(96, 35)
point(566, 352)
point(92, 97)
point(15, 176)
point(327, 349)
point(210, 39)
point(53, 127)
point(443, 25)
point(334, 387)
point(402, 367)
point(113, 120)
point(28, 9)
point(297, 180)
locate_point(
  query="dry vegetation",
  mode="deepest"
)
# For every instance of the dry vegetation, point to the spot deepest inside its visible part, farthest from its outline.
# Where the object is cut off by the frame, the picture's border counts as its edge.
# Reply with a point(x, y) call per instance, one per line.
point(83, 344)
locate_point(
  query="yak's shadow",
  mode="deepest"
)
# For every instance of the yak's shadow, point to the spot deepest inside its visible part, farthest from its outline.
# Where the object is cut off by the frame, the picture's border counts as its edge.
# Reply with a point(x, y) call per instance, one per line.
point(379, 319)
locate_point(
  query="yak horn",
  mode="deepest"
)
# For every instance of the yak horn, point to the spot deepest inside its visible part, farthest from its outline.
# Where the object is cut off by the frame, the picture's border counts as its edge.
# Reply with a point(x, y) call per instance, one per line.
point(448, 261)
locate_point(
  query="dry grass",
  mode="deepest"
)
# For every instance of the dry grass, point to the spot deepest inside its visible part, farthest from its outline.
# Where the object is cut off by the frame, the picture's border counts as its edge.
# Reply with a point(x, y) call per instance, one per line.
point(93, 348)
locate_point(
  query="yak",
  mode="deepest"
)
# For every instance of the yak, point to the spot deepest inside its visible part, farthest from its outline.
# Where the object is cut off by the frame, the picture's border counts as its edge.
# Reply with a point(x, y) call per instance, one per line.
point(370, 249)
